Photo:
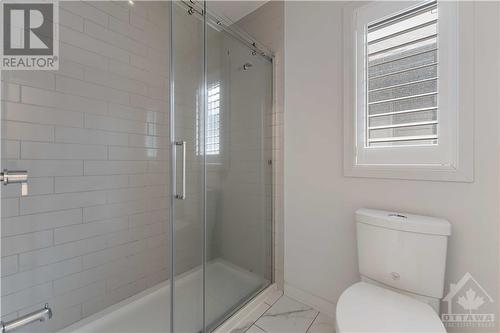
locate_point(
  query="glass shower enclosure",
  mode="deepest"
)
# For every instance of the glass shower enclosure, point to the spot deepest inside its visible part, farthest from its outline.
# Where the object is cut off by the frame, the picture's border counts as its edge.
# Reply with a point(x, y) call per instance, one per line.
point(149, 175)
point(221, 138)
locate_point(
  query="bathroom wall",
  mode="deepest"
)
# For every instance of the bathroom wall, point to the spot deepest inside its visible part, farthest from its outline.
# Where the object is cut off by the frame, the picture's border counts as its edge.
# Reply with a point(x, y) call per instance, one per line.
point(94, 138)
point(266, 24)
point(320, 240)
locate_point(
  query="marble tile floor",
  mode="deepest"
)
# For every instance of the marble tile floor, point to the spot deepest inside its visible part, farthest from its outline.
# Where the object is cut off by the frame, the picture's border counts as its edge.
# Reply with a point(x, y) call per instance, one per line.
point(286, 315)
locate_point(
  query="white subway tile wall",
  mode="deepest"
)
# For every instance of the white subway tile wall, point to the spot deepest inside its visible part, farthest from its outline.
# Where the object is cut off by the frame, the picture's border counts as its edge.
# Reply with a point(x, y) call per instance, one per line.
point(94, 139)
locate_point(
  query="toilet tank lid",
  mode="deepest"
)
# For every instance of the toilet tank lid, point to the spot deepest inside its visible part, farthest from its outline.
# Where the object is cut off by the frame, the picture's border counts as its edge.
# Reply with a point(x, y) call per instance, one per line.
point(404, 222)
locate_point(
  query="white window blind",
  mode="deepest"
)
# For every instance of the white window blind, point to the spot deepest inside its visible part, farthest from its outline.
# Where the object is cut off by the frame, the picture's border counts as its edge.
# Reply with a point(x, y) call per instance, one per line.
point(213, 120)
point(402, 79)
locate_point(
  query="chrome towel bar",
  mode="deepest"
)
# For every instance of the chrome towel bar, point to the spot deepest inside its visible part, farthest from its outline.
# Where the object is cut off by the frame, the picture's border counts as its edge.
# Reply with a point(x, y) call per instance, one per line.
point(39, 315)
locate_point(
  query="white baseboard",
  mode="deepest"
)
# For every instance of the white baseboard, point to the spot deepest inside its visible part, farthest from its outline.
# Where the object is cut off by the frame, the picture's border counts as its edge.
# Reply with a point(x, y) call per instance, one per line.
point(316, 302)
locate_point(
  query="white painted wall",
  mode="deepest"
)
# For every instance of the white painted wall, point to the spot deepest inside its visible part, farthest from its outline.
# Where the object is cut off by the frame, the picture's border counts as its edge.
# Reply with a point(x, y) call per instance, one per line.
point(320, 240)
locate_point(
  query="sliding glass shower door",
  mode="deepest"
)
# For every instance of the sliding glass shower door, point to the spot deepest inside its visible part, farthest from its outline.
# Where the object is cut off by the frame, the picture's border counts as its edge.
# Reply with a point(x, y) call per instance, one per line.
point(221, 182)
point(188, 165)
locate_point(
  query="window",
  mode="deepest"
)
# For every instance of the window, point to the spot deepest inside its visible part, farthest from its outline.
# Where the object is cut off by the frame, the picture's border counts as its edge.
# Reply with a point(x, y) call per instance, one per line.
point(213, 120)
point(402, 81)
point(401, 92)
point(213, 125)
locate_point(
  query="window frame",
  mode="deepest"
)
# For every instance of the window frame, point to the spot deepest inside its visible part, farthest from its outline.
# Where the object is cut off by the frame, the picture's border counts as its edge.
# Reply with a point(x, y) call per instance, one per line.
point(451, 159)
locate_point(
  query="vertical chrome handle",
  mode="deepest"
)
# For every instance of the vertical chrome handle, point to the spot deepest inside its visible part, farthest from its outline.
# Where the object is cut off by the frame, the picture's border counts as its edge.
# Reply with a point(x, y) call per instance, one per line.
point(182, 194)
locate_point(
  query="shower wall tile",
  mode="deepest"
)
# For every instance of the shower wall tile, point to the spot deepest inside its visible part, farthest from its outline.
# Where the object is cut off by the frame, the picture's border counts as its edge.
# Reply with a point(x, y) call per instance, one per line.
point(115, 38)
point(24, 280)
point(26, 242)
point(62, 151)
point(70, 20)
point(89, 183)
point(30, 132)
point(78, 280)
point(91, 90)
point(26, 297)
point(9, 265)
point(71, 69)
point(11, 149)
point(87, 230)
point(42, 168)
point(115, 167)
point(113, 9)
point(115, 124)
point(115, 81)
point(41, 115)
point(47, 203)
point(37, 222)
point(78, 296)
point(44, 80)
point(10, 92)
point(85, 11)
point(10, 207)
point(89, 136)
point(89, 43)
point(94, 139)
point(83, 56)
point(62, 101)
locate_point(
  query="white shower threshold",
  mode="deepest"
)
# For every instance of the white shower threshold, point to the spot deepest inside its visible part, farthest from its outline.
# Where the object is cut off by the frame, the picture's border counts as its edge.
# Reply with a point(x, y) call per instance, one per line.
point(149, 311)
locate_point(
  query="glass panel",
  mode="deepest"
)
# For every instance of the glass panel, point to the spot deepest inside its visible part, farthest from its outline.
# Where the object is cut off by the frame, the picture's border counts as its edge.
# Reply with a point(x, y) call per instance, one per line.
point(188, 74)
point(92, 230)
point(238, 193)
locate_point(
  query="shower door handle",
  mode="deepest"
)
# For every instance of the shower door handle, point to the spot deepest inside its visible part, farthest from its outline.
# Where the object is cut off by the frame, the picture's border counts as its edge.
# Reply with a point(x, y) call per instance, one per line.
point(182, 194)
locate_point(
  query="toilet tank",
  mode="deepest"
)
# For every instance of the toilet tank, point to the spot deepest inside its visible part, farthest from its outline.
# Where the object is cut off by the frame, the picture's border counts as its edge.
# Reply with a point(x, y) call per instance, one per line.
point(403, 251)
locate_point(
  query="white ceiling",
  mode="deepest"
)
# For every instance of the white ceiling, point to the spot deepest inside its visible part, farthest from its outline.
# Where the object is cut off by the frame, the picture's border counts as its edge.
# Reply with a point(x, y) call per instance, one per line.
point(233, 10)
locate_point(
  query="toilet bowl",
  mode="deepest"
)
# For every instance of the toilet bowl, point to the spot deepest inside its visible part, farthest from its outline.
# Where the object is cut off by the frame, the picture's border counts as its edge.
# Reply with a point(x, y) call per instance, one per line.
point(401, 261)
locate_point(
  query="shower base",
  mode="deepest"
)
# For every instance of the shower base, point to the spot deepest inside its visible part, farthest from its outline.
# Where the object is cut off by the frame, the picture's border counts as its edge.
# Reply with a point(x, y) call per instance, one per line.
point(149, 311)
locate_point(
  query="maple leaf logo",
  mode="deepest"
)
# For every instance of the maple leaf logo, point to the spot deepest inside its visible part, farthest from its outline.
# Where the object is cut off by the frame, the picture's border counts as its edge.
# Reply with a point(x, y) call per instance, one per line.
point(470, 301)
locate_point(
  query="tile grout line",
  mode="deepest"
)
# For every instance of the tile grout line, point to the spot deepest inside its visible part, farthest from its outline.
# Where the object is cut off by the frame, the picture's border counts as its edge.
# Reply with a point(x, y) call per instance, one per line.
point(312, 322)
point(258, 327)
point(256, 320)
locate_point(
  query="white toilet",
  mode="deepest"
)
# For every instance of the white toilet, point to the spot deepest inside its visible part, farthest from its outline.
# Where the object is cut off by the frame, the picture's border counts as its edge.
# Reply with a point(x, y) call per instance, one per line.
point(402, 263)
